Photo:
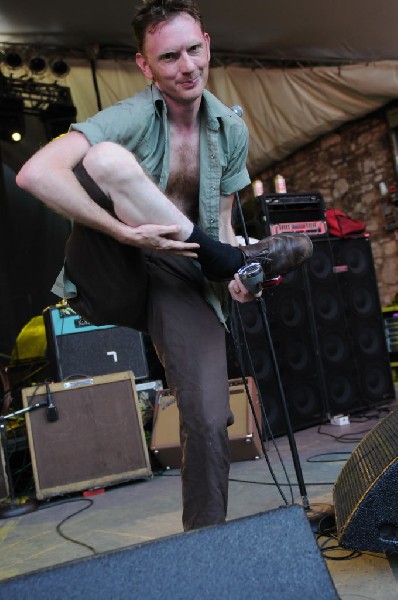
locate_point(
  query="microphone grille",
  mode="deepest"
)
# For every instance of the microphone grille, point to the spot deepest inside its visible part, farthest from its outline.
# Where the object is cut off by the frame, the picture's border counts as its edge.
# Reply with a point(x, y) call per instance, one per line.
point(238, 110)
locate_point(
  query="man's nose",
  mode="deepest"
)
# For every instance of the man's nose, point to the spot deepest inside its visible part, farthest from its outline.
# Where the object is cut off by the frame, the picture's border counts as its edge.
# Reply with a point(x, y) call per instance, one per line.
point(187, 64)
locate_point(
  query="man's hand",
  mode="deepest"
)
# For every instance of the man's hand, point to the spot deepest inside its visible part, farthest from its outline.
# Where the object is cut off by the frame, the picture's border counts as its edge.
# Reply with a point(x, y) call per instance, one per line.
point(239, 292)
point(155, 237)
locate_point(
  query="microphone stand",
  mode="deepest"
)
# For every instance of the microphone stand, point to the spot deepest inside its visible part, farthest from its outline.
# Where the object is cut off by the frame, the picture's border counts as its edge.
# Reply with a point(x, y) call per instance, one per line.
point(314, 515)
point(10, 507)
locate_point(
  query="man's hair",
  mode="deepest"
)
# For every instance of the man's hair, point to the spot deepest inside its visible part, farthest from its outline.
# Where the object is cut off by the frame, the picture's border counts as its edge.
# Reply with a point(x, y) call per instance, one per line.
point(153, 12)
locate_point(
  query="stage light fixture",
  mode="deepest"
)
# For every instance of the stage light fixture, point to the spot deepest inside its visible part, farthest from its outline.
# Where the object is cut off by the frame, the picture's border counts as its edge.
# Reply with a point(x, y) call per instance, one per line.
point(13, 60)
point(59, 68)
point(12, 120)
point(37, 65)
point(16, 136)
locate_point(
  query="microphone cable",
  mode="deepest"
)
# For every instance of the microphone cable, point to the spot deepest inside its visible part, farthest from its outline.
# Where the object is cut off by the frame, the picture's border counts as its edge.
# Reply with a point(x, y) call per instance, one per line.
point(51, 410)
point(235, 338)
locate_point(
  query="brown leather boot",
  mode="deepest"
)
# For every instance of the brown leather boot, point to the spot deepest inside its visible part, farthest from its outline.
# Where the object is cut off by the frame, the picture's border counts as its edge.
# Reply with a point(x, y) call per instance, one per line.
point(280, 253)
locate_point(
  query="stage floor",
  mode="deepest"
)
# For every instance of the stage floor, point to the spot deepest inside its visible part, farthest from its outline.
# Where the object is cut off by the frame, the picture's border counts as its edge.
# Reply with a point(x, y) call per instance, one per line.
point(73, 527)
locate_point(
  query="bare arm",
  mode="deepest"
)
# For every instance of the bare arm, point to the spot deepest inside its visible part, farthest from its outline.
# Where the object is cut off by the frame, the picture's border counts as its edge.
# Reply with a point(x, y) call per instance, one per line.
point(227, 234)
point(48, 175)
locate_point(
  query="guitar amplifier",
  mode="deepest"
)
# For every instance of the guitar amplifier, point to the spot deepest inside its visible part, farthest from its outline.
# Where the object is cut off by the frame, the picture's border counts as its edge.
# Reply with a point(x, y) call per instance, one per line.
point(244, 439)
point(92, 438)
point(293, 213)
point(75, 348)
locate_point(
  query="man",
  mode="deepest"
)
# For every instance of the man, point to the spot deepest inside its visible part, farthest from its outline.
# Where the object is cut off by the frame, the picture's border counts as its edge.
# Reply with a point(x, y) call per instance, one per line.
point(149, 183)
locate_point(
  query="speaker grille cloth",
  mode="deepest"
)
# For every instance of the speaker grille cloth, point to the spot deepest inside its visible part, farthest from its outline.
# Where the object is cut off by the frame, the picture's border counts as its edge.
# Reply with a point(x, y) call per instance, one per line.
point(368, 462)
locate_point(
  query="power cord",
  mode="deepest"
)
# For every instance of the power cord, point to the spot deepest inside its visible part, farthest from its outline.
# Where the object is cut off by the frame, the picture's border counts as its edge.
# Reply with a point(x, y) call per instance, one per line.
point(89, 503)
point(344, 438)
point(315, 456)
point(281, 484)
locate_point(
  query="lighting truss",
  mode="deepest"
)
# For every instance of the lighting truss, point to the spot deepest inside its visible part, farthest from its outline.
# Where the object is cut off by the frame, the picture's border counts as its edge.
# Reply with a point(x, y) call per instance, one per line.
point(51, 102)
point(36, 96)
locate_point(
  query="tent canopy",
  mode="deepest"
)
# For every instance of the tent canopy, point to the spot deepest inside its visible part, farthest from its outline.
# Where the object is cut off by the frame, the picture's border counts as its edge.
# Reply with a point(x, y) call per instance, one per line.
point(307, 30)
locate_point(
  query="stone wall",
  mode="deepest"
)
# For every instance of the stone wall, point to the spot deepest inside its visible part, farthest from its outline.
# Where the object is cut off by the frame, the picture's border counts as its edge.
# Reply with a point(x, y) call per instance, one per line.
point(346, 166)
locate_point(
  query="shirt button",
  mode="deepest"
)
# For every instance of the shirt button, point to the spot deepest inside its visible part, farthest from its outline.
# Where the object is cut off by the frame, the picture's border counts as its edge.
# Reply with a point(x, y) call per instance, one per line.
point(212, 220)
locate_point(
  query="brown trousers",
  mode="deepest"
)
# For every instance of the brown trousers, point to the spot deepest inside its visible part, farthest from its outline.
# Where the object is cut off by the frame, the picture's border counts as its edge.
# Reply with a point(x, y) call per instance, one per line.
point(163, 295)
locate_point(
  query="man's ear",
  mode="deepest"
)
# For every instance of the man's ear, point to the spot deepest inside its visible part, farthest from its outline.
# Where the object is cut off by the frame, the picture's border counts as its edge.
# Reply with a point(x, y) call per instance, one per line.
point(207, 40)
point(143, 65)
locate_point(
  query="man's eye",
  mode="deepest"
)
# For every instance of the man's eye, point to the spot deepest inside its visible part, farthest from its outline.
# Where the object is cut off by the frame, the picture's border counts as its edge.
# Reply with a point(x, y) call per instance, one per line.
point(169, 56)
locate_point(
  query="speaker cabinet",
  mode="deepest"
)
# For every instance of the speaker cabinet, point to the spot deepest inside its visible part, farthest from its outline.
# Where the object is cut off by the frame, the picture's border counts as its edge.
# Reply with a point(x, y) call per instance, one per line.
point(78, 349)
point(85, 433)
point(366, 491)
point(349, 325)
point(271, 555)
point(288, 313)
point(327, 331)
point(244, 439)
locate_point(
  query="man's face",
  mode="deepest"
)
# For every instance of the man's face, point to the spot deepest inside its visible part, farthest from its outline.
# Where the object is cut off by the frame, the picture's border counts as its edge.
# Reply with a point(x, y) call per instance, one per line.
point(176, 57)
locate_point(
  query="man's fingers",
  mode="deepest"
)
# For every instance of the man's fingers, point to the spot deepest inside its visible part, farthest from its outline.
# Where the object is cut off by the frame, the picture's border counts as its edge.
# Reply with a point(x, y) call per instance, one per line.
point(152, 229)
point(184, 253)
point(174, 245)
point(238, 291)
point(162, 231)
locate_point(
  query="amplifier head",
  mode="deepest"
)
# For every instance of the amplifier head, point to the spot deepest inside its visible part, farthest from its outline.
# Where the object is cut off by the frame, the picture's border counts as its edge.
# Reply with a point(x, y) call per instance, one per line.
point(301, 212)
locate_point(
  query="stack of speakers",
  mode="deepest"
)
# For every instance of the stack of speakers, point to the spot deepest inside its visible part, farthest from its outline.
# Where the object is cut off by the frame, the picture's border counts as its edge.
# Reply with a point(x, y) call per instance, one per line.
point(327, 331)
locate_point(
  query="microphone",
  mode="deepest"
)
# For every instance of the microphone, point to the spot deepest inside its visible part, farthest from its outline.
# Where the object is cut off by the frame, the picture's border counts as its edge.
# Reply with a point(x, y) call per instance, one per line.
point(252, 277)
point(51, 411)
point(238, 110)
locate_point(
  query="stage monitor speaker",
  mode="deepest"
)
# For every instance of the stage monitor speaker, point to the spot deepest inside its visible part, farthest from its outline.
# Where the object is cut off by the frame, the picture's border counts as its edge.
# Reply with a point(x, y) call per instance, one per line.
point(76, 348)
point(271, 555)
point(327, 329)
point(366, 492)
point(85, 433)
point(244, 439)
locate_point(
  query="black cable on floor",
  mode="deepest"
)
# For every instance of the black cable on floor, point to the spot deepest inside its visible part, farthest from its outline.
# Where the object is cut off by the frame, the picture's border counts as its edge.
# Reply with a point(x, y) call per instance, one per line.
point(281, 484)
point(311, 459)
point(58, 527)
point(329, 533)
point(343, 437)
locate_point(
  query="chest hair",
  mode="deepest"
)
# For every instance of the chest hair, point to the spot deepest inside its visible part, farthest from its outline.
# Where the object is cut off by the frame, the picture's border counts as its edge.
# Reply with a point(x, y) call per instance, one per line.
point(183, 183)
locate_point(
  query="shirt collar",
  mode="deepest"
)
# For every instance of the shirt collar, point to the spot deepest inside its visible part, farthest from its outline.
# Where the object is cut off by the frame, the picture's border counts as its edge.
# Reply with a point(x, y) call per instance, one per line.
point(213, 108)
point(158, 101)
